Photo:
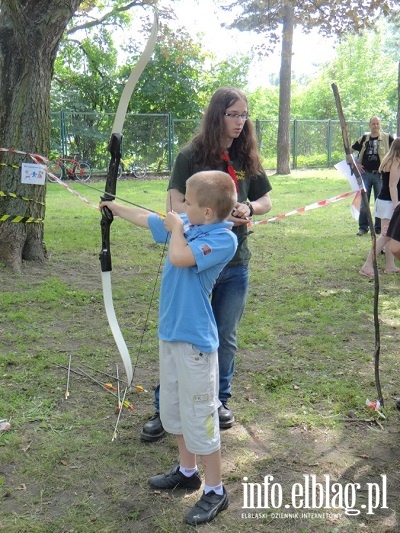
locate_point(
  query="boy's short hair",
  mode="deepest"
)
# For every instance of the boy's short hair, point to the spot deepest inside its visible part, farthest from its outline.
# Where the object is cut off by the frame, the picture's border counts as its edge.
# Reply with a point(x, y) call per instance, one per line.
point(214, 189)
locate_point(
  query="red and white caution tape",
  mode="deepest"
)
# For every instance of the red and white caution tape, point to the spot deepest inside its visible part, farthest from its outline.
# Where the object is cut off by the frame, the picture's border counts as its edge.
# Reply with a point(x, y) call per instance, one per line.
point(315, 205)
point(63, 184)
point(43, 162)
point(12, 151)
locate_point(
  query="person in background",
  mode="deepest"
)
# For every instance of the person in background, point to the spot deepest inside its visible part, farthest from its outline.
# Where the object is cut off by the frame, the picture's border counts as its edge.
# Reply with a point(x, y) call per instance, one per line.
point(226, 141)
point(387, 201)
point(371, 148)
point(200, 244)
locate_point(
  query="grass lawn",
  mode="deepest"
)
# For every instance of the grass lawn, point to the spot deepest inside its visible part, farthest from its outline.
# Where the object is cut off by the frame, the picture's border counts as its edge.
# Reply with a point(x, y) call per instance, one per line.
point(304, 371)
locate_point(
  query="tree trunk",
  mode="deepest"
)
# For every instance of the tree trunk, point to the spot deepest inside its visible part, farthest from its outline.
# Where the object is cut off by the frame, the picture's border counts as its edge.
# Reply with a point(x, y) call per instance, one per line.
point(398, 101)
point(30, 31)
point(285, 79)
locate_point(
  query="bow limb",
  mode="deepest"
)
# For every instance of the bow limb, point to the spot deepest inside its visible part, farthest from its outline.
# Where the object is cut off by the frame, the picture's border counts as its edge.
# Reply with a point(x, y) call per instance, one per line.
point(134, 77)
point(350, 159)
point(114, 147)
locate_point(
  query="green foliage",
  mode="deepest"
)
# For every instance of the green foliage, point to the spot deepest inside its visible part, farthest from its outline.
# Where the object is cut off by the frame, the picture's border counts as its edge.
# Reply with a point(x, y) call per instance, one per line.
point(366, 76)
point(365, 72)
point(264, 103)
point(231, 72)
point(172, 78)
point(180, 78)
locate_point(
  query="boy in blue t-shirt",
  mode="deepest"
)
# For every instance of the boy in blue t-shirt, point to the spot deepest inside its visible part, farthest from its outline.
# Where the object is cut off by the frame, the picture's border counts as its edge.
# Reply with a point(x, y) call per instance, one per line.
point(200, 245)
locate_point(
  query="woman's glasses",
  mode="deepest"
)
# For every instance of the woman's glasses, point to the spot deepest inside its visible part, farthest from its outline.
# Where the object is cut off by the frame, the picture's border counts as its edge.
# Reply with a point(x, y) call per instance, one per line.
point(235, 116)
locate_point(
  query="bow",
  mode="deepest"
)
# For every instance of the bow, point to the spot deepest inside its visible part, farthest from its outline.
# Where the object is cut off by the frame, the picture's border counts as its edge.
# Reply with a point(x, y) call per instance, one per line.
point(114, 148)
point(353, 165)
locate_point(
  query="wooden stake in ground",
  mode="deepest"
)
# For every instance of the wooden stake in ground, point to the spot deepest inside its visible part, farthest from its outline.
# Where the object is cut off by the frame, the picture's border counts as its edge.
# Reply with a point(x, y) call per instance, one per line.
point(365, 203)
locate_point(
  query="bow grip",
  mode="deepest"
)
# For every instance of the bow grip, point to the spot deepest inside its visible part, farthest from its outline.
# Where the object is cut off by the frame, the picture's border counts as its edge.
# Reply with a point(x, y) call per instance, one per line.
point(114, 147)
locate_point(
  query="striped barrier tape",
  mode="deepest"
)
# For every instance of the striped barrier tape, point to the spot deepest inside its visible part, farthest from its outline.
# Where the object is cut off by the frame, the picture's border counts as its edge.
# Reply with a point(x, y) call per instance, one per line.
point(315, 205)
point(9, 165)
point(13, 195)
point(19, 152)
point(43, 162)
point(62, 183)
point(26, 220)
point(19, 218)
point(4, 218)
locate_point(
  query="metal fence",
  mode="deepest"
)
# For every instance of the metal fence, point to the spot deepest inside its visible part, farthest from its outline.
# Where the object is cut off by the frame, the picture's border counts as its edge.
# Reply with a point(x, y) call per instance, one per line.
point(154, 139)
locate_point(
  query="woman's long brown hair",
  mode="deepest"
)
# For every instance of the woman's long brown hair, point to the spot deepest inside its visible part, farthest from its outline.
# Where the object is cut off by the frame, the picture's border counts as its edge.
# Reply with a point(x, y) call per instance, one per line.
point(210, 141)
point(392, 155)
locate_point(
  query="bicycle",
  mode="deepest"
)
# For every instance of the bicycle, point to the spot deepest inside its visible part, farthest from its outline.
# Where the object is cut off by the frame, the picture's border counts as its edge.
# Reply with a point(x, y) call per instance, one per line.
point(69, 167)
point(138, 170)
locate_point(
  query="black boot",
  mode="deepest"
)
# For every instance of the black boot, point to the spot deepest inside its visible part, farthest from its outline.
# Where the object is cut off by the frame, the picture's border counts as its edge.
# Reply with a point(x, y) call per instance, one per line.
point(226, 418)
point(153, 429)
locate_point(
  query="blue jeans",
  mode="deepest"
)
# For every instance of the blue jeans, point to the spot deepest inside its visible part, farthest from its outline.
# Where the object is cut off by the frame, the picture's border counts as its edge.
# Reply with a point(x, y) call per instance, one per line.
point(228, 300)
point(371, 181)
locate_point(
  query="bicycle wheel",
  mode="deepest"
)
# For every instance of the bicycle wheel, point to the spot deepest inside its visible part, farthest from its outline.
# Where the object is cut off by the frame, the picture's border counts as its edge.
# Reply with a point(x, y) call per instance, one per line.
point(82, 171)
point(139, 170)
point(55, 169)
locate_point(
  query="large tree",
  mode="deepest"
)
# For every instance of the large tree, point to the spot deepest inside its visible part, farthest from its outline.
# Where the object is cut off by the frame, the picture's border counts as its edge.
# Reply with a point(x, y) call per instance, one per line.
point(30, 32)
point(393, 49)
point(277, 18)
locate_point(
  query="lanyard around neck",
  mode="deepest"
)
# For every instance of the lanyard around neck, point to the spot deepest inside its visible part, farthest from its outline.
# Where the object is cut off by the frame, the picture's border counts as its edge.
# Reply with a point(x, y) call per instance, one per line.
point(231, 170)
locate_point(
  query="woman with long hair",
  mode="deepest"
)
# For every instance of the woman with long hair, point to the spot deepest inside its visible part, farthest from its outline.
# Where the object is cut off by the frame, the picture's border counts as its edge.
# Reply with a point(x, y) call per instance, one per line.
point(226, 141)
point(385, 204)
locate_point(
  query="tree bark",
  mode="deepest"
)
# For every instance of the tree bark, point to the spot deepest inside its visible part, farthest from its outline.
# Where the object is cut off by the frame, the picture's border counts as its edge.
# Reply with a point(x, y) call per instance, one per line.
point(30, 31)
point(283, 144)
point(398, 101)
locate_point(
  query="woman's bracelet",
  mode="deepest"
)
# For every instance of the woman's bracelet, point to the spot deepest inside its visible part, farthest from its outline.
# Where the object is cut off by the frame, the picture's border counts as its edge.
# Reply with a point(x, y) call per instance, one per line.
point(250, 207)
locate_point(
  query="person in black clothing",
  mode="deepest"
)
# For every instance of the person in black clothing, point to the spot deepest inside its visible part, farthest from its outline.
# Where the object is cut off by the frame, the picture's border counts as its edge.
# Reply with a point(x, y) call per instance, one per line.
point(226, 141)
point(371, 148)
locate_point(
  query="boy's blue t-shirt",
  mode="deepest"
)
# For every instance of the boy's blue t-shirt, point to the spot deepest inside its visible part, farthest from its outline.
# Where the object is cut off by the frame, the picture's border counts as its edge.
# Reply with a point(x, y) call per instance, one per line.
point(185, 313)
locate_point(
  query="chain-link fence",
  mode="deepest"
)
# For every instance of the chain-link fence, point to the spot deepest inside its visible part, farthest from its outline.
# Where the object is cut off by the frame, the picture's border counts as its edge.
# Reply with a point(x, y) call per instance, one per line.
point(154, 139)
point(146, 139)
